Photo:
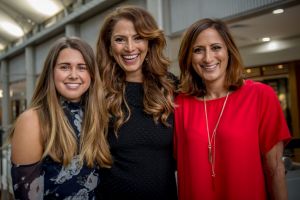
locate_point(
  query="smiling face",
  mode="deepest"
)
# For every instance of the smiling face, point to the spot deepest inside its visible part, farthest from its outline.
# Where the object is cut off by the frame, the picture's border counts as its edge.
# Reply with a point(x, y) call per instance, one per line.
point(129, 49)
point(71, 76)
point(210, 57)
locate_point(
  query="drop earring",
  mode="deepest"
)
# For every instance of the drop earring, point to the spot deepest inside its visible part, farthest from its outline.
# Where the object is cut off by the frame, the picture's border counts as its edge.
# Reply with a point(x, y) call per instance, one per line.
point(147, 59)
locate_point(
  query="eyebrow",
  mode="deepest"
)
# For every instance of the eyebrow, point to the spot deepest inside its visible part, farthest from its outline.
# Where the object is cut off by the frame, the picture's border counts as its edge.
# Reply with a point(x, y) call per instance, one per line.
point(209, 45)
point(120, 35)
point(67, 63)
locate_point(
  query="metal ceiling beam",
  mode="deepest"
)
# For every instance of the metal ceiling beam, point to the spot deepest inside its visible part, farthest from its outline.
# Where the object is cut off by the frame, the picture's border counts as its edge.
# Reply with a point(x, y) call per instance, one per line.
point(86, 11)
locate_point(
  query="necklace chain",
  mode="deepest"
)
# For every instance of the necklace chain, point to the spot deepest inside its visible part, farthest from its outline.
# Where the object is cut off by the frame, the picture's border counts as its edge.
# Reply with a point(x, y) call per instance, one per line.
point(212, 139)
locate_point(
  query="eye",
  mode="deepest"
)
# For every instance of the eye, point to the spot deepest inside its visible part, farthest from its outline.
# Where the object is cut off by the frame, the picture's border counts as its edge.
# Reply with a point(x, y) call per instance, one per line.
point(119, 40)
point(198, 50)
point(216, 48)
point(82, 67)
point(138, 37)
point(64, 67)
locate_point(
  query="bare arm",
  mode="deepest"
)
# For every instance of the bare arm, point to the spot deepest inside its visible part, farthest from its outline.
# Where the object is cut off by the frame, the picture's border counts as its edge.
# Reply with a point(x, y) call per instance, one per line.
point(275, 173)
point(26, 172)
point(26, 140)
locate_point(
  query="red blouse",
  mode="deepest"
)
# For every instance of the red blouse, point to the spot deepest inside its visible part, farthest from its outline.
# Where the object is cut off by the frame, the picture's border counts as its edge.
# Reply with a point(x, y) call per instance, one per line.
point(251, 124)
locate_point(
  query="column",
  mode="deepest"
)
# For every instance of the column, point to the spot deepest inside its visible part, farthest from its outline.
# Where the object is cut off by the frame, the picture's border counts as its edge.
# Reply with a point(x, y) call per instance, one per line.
point(155, 8)
point(30, 73)
point(5, 126)
point(5, 94)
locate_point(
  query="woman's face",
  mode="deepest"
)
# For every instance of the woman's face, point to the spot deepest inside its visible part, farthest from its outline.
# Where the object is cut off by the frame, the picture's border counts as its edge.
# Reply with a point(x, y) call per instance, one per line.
point(71, 76)
point(210, 56)
point(129, 49)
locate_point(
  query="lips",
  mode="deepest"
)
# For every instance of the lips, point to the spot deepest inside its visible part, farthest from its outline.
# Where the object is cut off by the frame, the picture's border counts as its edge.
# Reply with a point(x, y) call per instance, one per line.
point(210, 67)
point(72, 85)
point(130, 57)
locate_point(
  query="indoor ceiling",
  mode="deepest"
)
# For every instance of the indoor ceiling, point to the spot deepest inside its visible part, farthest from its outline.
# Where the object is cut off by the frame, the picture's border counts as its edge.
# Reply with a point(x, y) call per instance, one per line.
point(23, 15)
point(247, 31)
point(251, 30)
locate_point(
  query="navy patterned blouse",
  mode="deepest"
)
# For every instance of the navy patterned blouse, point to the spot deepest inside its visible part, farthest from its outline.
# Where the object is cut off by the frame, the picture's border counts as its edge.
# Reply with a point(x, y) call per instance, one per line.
point(48, 179)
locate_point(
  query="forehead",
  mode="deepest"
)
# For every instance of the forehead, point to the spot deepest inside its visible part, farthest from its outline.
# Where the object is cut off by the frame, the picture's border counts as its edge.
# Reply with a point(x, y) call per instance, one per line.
point(209, 36)
point(123, 27)
point(69, 54)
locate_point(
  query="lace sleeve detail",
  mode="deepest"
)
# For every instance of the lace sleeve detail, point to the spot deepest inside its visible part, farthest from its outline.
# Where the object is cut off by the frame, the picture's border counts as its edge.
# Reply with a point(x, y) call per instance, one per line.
point(28, 181)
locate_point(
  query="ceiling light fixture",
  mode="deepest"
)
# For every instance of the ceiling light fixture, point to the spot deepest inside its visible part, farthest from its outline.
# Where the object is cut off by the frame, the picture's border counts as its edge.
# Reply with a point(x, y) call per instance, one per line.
point(278, 11)
point(266, 39)
point(12, 29)
point(45, 7)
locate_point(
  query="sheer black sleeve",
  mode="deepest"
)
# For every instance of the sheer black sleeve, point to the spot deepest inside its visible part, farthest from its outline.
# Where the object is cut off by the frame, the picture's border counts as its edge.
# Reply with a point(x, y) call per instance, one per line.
point(28, 181)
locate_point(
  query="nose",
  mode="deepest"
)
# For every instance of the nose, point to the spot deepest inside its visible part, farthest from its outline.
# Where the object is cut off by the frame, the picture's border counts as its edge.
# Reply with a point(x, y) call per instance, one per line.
point(129, 45)
point(73, 73)
point(208, 56)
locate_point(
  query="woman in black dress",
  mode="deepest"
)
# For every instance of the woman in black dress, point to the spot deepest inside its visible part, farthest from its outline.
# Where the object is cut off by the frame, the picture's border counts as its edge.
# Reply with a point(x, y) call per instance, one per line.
point(139, 93)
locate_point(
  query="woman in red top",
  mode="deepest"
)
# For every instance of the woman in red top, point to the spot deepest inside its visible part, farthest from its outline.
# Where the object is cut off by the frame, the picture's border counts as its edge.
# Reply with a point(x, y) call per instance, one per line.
point(229, 132)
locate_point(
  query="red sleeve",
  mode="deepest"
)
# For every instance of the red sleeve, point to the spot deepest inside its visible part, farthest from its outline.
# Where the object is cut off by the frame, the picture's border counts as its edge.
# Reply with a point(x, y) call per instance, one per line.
point(273, 127)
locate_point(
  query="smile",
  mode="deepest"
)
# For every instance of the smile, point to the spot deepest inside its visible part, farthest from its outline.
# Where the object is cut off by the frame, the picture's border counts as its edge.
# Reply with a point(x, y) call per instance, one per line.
point(209, 67)
point(72, 85)
point(130, 57)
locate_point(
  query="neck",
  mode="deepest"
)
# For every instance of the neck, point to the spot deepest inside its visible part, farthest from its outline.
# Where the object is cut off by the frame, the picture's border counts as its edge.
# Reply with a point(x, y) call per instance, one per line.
point(134, 77)
point(215, 89)
point(215, 94)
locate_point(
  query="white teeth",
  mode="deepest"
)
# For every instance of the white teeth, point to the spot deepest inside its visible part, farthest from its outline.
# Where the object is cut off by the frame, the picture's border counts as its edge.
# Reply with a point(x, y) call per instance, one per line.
point(209, 67)
point(72, 85)
point(130, 57)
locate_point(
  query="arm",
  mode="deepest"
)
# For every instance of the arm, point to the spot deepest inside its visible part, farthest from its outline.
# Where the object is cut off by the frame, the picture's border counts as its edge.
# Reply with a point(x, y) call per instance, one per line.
point(26, 171)
point(26, 139)
point(275, 173)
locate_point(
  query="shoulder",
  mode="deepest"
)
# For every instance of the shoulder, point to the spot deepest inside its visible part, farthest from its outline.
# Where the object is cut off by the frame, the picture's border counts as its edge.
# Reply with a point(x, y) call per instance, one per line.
point(259, 88)
point(28, 115)
point(257, 85)
point(182, 99)
point(27, 121)
point(26, 139)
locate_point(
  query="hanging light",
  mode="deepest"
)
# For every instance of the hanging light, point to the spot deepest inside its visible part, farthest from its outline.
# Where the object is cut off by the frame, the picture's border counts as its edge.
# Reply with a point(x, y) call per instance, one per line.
point(45, 7)
point(12, 28)
point(265, 39)
point(278, 11)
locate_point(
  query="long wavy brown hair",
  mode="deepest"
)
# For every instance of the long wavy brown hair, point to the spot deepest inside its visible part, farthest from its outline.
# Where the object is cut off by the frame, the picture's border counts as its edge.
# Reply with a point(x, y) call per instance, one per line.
point(190, 82)
point(157, 85)
point(58, 137)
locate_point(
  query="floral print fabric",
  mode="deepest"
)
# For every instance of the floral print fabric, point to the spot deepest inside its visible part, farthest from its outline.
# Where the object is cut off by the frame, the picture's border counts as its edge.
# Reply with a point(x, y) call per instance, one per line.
point(48, 179)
